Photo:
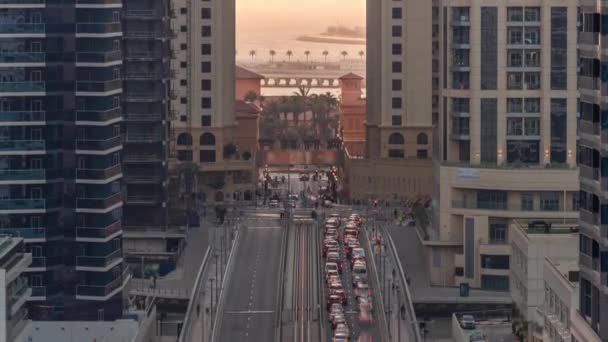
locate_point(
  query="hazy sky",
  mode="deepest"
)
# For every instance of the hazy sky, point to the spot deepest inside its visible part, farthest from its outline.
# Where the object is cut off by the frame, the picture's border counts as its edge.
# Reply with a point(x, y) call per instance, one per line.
point(308, 16)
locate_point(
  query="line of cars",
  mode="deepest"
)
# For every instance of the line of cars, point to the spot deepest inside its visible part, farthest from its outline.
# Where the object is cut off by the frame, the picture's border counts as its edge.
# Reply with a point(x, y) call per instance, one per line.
point(341, 247)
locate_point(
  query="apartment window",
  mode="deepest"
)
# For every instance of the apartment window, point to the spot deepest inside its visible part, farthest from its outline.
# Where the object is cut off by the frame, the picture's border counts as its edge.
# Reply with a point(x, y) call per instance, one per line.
point(559, 47)
point(205, 13)
point(514, 126)
point(523, 151)
point(514, 105)
point(397, 85)
point(460, 126)
point(183, 46)
point(460, 35)
point(532, 36)
point(495, 262)
point(491, 199)
point(514, 80)
point(183, 155)
point(206, 102)
point(183, 10)
point(515, 36)
point(206, 120)
point(460, 14)
point(207, 156)
point(488, 130)
point(206, 31)
point(206, 67)
point(183, 118)
point(422, 154)
point(515, 14)
point(489, 49)
point(396, 49)
point(183, 100)
point(397, 67)
point(498, 233)
point(397, 103)
point(460, 80)
point(549, 201)
point(461, 57)
point(206, 85)
point(397, 30)
point(532, 14)
point(183, 28)
point(396, 120)
point(205, 49)
point(183, 82)
point(514, 58)
point(558, 130)
point(527, 201)
point(460, 104)
point(495, 282)
point(531, 126)
point(532, 105)
point(532, 58)
point(183, 65)
point(397, 13)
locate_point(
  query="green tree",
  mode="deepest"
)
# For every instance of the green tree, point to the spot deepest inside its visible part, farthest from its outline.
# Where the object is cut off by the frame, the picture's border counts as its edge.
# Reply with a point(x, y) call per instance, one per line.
point(344, 54)
point(325, 54)
point(289, 53)
point(251, 96)
point(361, 54)
point(272, 54)
point(307, 54)
point(252, 53)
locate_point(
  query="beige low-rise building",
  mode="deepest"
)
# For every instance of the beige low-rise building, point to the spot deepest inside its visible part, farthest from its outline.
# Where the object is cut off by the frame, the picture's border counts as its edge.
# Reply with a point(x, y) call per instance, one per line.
point(560, 280)
point(531, 243)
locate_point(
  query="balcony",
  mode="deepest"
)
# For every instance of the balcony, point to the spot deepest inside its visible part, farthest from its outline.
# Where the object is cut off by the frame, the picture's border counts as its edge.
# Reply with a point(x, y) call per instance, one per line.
point(143, 137)
point(588, 83)
point(143, 178)
point(143, 76)
point(104, 292)
point(23, 87)
point(18, 294)
point(98, 174)
point(142, 199)
point(99, 261)
point(98, 28)
point(141, 158)
point(96, 233)
point(589, 217)
point(98, 2)
point(99, 86)
point(144, 55)
point(32, 233)
point(98, 203)
point(144, 117)
point(98, 57)
point(141, 14)
point(589, 127)
point(588, 38)
point(16, 323)
point(98, 115)
point(46, 261)
point(22, 116)
point(506, 206)
point(589, 262)
point(143, 96)
point(29, 204)
point(588, 172)
point(22, 28)
point(160, 34)
point(29, 175)
point(22, 57)
point(98, 145)
point(41, 292)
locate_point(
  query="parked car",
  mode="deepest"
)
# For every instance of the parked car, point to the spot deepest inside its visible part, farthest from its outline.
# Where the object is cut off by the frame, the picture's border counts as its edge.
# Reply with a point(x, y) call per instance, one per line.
point(467, 322)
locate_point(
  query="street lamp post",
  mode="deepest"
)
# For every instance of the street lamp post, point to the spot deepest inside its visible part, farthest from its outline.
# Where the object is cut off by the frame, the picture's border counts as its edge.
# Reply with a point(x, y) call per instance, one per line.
point(398, 314)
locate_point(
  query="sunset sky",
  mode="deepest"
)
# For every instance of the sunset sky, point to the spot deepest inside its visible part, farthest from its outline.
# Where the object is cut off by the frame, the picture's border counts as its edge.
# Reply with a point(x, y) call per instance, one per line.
point(309, 16)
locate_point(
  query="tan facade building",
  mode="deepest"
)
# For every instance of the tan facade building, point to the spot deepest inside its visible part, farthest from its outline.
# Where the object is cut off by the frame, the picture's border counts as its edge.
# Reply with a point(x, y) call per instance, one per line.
point(507, 129)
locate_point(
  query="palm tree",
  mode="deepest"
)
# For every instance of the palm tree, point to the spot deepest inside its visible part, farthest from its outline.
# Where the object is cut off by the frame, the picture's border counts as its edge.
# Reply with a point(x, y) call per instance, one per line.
point(325, 54)
point(361, 54)
point(252, 53)
point(307, 53)
point(289, 53)
point(344, 54)
point(272, 54)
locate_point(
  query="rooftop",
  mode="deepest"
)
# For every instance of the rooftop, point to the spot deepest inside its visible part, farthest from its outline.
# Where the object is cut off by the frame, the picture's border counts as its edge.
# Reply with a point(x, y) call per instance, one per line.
point(564, 267)
point(245, 107)
point(351, 76)
point(245, 74)
point(538, 227)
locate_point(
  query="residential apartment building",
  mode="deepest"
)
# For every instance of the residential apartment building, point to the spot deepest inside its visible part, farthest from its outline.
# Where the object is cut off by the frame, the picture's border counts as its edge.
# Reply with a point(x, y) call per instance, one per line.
point(507, 130)
point(531, 243)
point(560, 279)
point(399, 122)
point(590, 323)
point(60, 145)
point(14, 290)
point(207, 162)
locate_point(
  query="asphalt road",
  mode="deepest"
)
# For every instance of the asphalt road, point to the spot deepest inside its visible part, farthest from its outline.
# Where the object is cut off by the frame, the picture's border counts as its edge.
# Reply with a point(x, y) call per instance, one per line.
point(251, 297)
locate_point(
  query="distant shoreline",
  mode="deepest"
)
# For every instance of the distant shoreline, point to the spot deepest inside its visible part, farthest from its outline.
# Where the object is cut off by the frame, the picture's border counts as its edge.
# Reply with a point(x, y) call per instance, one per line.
point(331, 40)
